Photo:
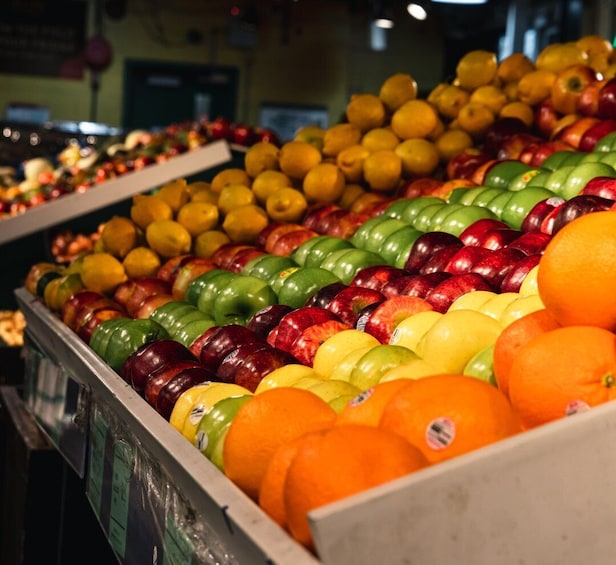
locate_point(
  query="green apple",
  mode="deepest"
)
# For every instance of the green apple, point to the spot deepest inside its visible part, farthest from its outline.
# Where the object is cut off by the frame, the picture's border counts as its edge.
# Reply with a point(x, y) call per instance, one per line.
point(481, 365)
point(593, 157)
point(396, 208)
point(279, 278)
point(555, 160)
point(416, 205)
point(215, 420)
point(609, 157)
point(519, 204)
point(496, 204)
point(458, 220)
point(539, 179)
point(380, 232)
point(373, 364)
point(303, 283)
point(398, 243)
point(574, 158)
point(581, 174)
point(323, 248)
point(196, 286)
point(301, 253)
point(437, 218)
point(522, 180)
point(192, 330)
point(469, 195)
point(241, 297)
point(456, 337)
point(212, 288)
point(216, 456)
point(333, 388)
point(486, 195)
point(345, 263)
point(267, 266)
point(501, 174)
point(166, 314)
point(424, 217)
point(557, 178)
point(606, 143)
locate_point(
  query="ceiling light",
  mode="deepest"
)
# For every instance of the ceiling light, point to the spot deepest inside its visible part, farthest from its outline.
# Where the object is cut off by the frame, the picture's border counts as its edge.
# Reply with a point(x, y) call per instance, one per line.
point(461, 2)
point(417, 10)
point(384, 20)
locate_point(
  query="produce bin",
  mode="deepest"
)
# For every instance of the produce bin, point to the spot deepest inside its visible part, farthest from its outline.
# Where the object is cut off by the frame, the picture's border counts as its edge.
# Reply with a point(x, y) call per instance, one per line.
point(540, 497)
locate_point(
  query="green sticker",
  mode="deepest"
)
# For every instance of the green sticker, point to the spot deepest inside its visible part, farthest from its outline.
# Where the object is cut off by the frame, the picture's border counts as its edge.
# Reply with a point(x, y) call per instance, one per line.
point(123, 460)
point(178, 548)
point(98, 436)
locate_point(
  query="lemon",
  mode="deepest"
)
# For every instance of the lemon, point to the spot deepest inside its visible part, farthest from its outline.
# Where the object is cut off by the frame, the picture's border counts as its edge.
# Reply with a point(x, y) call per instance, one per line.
point(102, 272)
point(168, 238)
point(475, 119)
point(262, 156)
point(517, 109)
point(141, 262)
point(476, 68)
point(209, 241)
point(451, 99)
point(398, 89)
point(513, 67)
point(379, 138)
point(419, 157)
point(286, 205)
point(435, 93)
point(558, 56)
point(147, 208)
point(235, 195)
point(339, 137)
point(451, 142)
point(415, 118)
point(198, 217)
point(202, 192)
point(324, 183)
point(310, 134)
point(233, 175)
point(490, 95)
point(268, 182)
point(383, 170)
point(244, 224)
point(365, 111)
point(119, 236)
point(174, 193)
point(351, 193)
point(351, 162)
point(296, 158)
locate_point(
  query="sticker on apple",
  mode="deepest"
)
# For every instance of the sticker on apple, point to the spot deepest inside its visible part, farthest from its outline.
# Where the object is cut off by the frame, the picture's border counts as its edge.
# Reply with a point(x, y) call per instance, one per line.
point(576, 407)
point(440, 433)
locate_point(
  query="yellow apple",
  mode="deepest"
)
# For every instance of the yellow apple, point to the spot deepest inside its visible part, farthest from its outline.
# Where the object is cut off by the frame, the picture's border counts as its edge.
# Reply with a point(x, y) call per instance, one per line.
point(334, 348)
point(341, 401)
point(373, 364)
point(284, 376)
point(333, 388)
point(456, 337)
point(307, 382)
point(520, 307)
point(529, 284)
point(410, 330)
point(342, 369)
point(184, 404)
point(494, 306)
point(414, 369)
point(472, 300)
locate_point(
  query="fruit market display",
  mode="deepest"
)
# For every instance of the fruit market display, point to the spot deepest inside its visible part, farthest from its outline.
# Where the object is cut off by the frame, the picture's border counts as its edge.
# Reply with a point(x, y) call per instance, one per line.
point(422, 280)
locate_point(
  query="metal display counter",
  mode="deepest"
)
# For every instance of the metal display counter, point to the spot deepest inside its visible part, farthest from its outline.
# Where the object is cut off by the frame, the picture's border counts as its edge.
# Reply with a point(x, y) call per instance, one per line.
point(544, 496)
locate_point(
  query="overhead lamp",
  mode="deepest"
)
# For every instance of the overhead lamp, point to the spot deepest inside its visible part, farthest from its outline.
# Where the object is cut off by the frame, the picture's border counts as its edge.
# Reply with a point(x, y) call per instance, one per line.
point(383, 17)
point(461, 2)
point(417, 10)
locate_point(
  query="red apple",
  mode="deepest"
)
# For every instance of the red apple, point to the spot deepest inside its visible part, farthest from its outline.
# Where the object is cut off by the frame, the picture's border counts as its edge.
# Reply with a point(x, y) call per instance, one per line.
point(222, 341)
point(545, 118)
point(234, 359)
point(531, 243)
point(257, 365)
point(512, 147)
point(182, 381)
point(305, 347)
point(224, 255)
point(464, 164)
point(88, 322)
point(422, 285)
point(169, 269)
point(376, 276)
point(384, 318)
point(197, 344)
point(189, 271)
point(242, 257)
point(75, 303)
point(573, 133)
point(515, 277)
point(444, 293)
point(347, 225)
point(289, 242)
point(151, 303)
point(322, 297)
point(545, 149)
point(588, 101)
point(132, 292)
point(294, 323)
point(501, 131)
point(495, 267)
point(463, 260)
point(601, 186)
point(220, 128)
point(314, 215)
point(426, 245)
point(265, 320)
point(606, 105)
point(579, 206)
point(534, 219)
point(281, 229)
point(594, 133)
point(475, 232)
point(568, 86)
point(349, 302)
point(158, 379)
point(500, 237)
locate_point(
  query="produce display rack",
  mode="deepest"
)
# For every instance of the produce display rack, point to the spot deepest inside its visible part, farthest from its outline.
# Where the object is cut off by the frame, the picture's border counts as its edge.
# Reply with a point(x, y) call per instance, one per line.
point(73, 205)
point(543, 496)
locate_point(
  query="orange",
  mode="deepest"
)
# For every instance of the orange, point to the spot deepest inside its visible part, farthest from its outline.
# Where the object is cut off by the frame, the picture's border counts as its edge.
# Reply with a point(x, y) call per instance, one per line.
point(397, 89)
point(577, 272)
point(365, 111)
point(447, 415)
point(367, 407)
point(561, 372)
point(265, 422)
point(476, 68)
point(512, 68)
point(415, 118)
point(516, 334)
point(340, 462)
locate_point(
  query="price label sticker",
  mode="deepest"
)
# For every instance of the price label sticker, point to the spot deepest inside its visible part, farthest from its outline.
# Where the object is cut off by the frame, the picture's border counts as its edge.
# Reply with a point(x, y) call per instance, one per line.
point(123, 463)
point(96, 469)
point(178, 548)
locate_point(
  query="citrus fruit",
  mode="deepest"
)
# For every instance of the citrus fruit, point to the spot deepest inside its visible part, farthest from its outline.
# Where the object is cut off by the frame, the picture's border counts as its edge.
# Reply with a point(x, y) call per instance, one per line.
point(351, 162)
point(148, 207)
point(513, 67)
point(562, 372)
point(141, 262)
point(490, 96)
point(365, 111)
point(296, 158)
point(324, 182)
point(415, 118)
point(451, 99)
point(598, 49)
point(175, 193)
point(513, 337)
point(350, 193)
point(577, 272)
point(268, 182)
point(243, 224)
point(206, 243)
point(198, 217)
point(168, 238)
point(233, 196)
point(268, 420)
point(383, 170)
point(475, 118)
point(419, 157)
point(451, 142)
point(366, 408)
point(286, 205)
point(379, 138)
point(232, 175)
point(557, 56)
point(339, 462)
point(339, 137)
point(397, 89)
point(261, 156)
point(119, 236)
point(447, 415)
point(476, 68)
point(102, 272)
point(536, 86)
point(312, 134)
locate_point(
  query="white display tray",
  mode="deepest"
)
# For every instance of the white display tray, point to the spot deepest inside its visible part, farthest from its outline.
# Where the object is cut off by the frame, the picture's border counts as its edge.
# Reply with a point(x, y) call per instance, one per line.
point(544, 497)
point(111, 191)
